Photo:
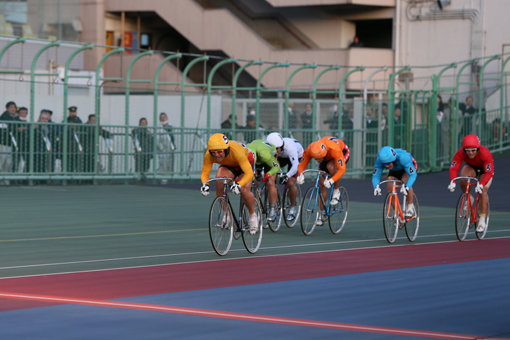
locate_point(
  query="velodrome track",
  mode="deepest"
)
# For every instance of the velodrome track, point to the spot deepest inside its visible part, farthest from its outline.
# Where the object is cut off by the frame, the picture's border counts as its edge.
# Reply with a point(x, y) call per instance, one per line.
point(133, 262)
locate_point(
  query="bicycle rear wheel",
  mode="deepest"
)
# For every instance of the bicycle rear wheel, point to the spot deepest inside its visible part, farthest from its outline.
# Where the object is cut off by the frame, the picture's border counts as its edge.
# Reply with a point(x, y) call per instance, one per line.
point(286, 207)
point(221, 225)
point(413, 222)
point(391, 218)
point(338, 212)
point(276, 224)
point(310, 209)
point(481, 235)
point(251, 242)
point(462, 217)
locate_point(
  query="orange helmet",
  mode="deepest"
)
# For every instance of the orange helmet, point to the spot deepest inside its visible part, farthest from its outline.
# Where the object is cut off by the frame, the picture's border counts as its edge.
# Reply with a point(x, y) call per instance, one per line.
point(471, 142)
point(218, 141)
point(318, 150)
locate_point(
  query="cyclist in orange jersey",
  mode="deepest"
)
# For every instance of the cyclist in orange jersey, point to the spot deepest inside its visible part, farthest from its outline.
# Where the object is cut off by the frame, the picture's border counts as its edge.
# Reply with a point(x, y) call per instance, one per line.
point(332, 155)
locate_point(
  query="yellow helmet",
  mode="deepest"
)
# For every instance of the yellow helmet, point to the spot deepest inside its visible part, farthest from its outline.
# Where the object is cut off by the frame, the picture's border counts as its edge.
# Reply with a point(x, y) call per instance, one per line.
point(318, 150)
point(218, 141)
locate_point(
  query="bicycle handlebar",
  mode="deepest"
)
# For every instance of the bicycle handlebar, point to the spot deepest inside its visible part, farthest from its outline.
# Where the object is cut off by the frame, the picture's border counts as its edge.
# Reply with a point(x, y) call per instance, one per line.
point(396, 181)
point(321, 172)
point(226, 179)
point(469, 179)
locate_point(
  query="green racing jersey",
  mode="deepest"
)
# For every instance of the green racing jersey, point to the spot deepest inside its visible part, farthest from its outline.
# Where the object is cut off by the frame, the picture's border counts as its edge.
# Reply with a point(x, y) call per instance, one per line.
point(265, 154)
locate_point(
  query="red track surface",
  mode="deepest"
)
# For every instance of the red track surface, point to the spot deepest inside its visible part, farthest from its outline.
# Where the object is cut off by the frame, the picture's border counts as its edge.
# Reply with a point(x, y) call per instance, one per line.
point(118, 283)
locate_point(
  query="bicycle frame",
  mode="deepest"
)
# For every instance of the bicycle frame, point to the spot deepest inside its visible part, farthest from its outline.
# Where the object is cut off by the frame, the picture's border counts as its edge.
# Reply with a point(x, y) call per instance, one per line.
point(226, 181)
point(221, 234)
point(319, 174)
point(395, 201)
point(473, 210)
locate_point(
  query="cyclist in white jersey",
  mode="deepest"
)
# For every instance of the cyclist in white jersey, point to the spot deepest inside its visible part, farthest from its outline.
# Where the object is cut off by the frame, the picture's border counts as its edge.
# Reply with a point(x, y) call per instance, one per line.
point(290, 156)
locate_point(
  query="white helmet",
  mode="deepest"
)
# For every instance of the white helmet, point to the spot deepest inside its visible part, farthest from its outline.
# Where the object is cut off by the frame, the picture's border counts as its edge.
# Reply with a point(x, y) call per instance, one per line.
point(276, 139)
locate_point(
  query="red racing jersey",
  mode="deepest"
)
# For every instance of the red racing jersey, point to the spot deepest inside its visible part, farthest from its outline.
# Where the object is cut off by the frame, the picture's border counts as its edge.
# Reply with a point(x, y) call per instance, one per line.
point(482, 160)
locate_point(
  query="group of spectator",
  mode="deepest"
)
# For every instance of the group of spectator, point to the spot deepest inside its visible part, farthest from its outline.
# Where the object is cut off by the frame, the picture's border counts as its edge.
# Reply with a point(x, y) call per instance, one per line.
point(143, 140)
point(49, 139)
point(467, 123)
point(77, 140)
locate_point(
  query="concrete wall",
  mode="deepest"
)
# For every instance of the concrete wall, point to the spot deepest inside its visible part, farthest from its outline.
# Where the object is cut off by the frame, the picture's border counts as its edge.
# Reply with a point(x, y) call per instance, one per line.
point(330, 32)
point(218, 29)
point(476, 29)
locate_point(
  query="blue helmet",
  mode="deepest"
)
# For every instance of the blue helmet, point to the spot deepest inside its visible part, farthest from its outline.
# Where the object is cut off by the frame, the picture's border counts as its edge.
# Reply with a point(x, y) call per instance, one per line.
point(387, 155)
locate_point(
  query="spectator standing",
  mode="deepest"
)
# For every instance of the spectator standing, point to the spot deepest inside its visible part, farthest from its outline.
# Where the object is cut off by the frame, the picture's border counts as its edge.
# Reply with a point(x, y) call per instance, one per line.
point(332, 120)
point(442, 137)
point(55, 137)
point(73, 112)
point(6, 143)
point(467, 111)
point(144, 143)
point(43, 147)
point(293, 119)
point(384, 119)
point(356, 42)
point(89, 147)
point(166, 147)
point(250, 133)
point(402, 104)
point(19, 132)
point(227, 124)
point(399, 127)
point(347, 127)
point(74, 144)
point(496, 132)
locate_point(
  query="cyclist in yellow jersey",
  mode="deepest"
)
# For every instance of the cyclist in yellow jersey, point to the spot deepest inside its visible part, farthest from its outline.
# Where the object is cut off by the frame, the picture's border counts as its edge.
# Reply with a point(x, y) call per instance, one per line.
point(236, 161)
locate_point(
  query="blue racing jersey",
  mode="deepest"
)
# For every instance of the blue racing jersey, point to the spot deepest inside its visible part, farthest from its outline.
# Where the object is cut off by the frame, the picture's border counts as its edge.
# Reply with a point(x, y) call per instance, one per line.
point(404, 161)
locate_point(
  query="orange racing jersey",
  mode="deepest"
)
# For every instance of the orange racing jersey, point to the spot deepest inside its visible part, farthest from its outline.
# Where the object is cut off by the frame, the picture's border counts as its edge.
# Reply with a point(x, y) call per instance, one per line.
point(238, 157)
point(335, 148)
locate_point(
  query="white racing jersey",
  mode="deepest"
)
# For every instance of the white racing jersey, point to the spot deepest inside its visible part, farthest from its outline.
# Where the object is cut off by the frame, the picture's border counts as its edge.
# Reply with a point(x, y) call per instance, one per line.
point(293, 150)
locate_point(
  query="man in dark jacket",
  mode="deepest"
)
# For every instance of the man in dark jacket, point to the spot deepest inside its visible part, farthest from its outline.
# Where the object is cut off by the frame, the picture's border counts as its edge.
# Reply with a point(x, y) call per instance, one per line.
point(6, 137)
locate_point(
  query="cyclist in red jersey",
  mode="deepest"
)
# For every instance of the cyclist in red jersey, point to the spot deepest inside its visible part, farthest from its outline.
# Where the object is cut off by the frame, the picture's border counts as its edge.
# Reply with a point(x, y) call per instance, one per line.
point(479, 163)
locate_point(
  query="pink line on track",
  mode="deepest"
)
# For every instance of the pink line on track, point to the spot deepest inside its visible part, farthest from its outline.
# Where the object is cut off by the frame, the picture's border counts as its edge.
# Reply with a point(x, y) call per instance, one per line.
point(239, 316)
point(118, 283)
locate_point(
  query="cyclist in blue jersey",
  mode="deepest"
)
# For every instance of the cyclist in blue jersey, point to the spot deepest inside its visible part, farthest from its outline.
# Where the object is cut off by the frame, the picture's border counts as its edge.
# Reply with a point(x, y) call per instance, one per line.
point(401, 166)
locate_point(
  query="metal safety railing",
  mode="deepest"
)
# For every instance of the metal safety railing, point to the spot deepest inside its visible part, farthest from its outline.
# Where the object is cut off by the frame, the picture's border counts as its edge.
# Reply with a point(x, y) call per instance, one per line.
point(428, 115)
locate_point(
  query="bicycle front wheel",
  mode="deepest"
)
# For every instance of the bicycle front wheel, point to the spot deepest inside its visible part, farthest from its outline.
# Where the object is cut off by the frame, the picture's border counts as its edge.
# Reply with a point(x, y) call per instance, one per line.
point(413, 222)
point(462, 217)
point(221, 225)
point(310, 211)
point(338, 212)
point(291, 219)
point(391, 218)
point(251, 241)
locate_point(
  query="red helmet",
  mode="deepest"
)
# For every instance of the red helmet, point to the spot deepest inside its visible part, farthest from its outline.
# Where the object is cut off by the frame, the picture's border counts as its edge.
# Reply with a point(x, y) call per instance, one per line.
point(471, 142)
point(318, 150)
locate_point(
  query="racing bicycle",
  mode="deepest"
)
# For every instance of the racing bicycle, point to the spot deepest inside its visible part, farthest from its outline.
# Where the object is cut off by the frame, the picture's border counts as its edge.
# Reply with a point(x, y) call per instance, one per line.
point(313, 203)
point(467, 212)
point(394, 217)
point(224, 225)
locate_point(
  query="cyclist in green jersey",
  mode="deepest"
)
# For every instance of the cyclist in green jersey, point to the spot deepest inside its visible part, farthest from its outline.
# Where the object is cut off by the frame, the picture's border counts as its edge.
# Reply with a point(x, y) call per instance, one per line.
point(265, 159)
